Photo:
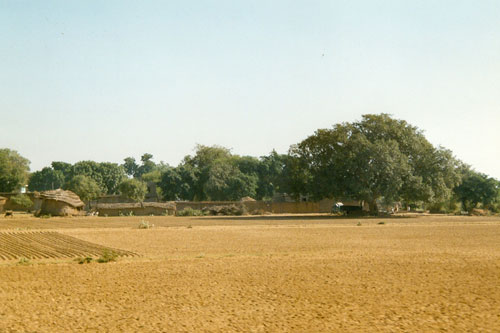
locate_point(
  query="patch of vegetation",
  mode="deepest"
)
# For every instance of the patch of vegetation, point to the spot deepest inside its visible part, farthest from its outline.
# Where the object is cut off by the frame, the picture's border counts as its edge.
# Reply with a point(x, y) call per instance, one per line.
point(188, 211)
point(22, 200)
point(359, 224)
point(227, 210)
point(381, 222)
point(24, 261)
point(84, 260)
point(46, 216)
point(107, 256)
point(145, 225)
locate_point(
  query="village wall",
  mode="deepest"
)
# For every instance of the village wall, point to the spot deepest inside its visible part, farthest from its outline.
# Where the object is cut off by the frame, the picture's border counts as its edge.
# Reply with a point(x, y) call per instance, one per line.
point(9, 205)
point(323, 206)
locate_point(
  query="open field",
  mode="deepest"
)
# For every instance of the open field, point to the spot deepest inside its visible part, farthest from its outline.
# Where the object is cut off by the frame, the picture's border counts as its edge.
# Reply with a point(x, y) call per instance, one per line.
point(266, 273)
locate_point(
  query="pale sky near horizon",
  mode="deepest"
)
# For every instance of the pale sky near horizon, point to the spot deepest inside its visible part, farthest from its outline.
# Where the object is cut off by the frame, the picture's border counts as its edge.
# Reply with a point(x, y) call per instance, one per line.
point(103, 80)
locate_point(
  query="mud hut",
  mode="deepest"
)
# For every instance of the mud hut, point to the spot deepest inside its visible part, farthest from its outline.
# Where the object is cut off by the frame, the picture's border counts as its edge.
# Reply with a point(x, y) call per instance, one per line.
point(59, 203)
point(2, 203)
point(137, 209)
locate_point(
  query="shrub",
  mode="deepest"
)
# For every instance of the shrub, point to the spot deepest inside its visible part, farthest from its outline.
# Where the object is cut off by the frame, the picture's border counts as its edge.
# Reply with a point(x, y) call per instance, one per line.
point(84, 260)
point(24, 261)
point(145, 225)
point(227, 210)
point(107, 256)
point(188, 211)
point(22, 200)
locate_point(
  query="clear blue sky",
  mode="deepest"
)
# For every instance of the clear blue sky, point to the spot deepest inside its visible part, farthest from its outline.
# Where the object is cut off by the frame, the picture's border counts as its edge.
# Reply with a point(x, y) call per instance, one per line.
point(103, 80)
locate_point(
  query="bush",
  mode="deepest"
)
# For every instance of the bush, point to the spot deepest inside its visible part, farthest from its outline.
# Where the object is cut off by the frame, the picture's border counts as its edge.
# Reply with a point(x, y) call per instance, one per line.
point(84, 260)
point(145, 225)
point(228, 210)
point(107, 256)
point(22, 200)
point(24, 261)
point(188, 211)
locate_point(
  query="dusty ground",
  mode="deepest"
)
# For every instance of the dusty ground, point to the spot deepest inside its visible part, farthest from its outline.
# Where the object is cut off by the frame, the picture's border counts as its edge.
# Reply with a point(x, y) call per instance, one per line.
point(273, 273)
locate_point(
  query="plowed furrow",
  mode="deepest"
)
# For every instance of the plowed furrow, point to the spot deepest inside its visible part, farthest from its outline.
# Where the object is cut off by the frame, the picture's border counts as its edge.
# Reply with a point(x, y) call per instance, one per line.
point(19, 249)
point(43, 245)
point(33, 247)
point(53, 244)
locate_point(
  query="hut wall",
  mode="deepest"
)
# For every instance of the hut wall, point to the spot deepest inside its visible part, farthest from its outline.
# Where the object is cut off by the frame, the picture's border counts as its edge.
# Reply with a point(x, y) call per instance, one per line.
point(2, 204)
point(57, 208)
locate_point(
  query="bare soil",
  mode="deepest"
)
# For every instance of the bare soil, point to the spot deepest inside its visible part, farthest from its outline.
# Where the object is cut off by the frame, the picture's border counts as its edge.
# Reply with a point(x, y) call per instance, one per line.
point(260, 274)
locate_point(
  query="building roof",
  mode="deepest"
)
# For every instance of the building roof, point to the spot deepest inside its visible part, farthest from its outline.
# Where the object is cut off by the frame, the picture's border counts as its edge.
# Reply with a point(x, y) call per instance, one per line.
point(68, 197)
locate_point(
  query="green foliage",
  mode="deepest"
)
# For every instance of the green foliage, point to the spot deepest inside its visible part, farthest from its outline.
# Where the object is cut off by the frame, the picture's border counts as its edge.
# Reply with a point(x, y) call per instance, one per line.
point(178, 183)
point(85, 187)
point(46, 179)
point(229, 210)
point(376, 157)
point(65, 168)
point(133, 189)
point(107, 256)
point(84, 260)
point(226, 182)
point(111, 175)
point(107, 176)
point(21, 200)
point(477, 188)
point(24, 261)
point(13, 170)
point(130, 166)
point(188, 211)
point(272, 176)
point(145, 225)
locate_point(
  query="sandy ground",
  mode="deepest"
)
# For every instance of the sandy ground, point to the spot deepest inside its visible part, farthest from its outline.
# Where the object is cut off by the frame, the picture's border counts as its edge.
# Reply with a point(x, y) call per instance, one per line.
point(275, 273)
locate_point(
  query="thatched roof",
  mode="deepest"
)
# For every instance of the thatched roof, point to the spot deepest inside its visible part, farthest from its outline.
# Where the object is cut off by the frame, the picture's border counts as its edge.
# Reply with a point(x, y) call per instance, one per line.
point(3, 198)
point(130, 205)
point(247, 199)
point(68, 197)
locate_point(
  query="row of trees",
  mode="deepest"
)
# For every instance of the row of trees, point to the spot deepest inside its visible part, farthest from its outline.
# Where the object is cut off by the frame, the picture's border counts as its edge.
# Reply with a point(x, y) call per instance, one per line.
point(377, 159)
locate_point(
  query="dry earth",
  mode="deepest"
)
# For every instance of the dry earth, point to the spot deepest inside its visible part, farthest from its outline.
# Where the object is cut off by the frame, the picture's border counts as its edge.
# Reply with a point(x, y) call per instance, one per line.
point(261, 274)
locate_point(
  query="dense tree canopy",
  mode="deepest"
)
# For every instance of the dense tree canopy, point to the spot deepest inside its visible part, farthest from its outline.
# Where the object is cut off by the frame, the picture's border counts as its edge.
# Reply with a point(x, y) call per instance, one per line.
point(477, 188)
point(213, 173)
point(13, 170)
point(86, 187)
point(46, 179)
point(377, 157)
point(133, 189)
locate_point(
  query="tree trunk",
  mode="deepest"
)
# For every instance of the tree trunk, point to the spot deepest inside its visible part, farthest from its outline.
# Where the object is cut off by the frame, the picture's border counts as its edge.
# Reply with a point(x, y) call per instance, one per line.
point(372, 204)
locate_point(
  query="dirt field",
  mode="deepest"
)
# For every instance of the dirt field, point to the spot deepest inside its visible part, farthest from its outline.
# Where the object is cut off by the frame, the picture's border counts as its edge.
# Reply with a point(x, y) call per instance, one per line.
point(257, 274)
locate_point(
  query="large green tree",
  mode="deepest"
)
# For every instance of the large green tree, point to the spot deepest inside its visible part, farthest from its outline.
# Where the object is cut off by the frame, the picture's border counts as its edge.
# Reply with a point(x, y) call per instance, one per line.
point(14, 170)
point(227, 182)
point(107, 175)
point(377, 157)
point(133, 189)
point(477, 188)
point(86, 187)
point(46, 179)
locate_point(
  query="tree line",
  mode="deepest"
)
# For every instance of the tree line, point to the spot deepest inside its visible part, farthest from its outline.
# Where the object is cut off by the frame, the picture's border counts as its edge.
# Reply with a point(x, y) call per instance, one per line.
point(378, 159)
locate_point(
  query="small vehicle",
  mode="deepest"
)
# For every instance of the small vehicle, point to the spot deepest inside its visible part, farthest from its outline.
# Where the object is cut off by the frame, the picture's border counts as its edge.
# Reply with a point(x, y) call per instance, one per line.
point(339, 207)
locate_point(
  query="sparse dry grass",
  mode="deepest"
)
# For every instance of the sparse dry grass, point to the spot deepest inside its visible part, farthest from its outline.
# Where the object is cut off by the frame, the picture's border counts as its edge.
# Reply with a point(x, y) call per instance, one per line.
point(272, 273)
